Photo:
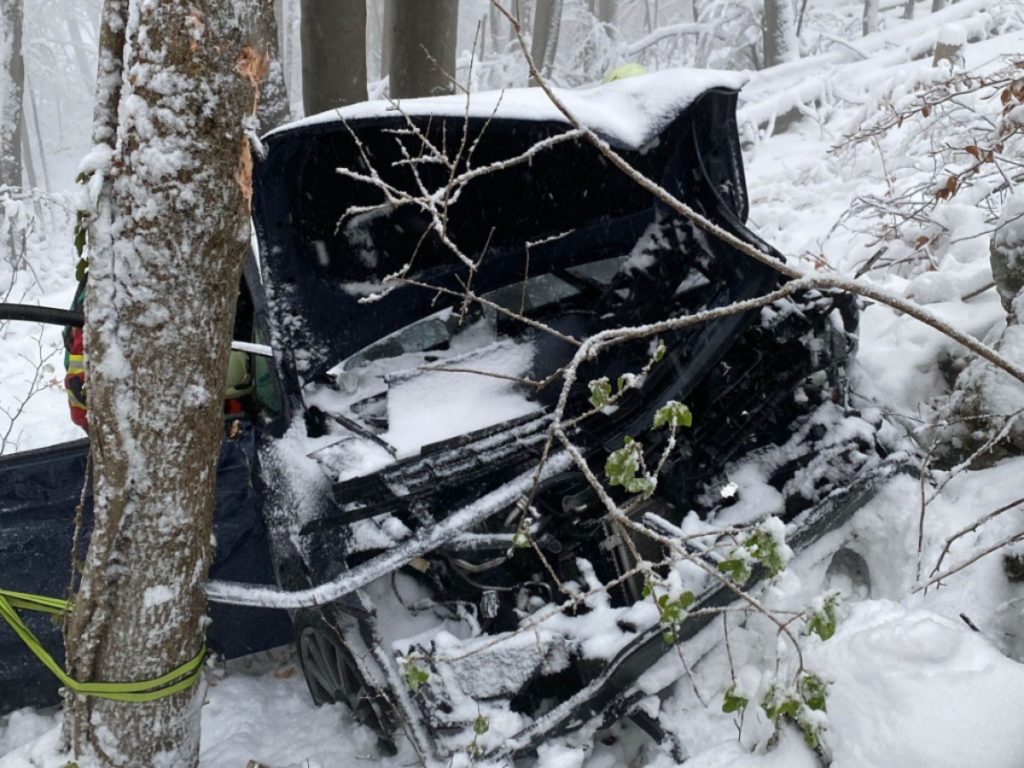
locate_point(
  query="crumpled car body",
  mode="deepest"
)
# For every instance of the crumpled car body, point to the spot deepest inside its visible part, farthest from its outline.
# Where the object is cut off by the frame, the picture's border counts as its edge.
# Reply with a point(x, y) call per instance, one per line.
point(418, 397)
point(413, 403)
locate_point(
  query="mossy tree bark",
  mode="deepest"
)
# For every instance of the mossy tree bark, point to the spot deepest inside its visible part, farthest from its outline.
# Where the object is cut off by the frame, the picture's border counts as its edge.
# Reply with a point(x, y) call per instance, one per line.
point(171, 173)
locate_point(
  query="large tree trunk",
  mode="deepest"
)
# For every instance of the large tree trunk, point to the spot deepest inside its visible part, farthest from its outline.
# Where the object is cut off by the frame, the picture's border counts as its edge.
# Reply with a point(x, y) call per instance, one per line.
point(12, 78)
point(165, 250)
point(333, 34)
point(547, 21)
point(779, 27)
point(423, 37)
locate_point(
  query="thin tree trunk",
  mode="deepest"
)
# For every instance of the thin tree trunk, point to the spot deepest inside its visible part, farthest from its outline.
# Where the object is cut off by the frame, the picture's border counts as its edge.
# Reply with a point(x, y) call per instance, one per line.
point(908, 10)
point(160, 302)
point(274, 108)
point(869, 22)
point(28, 168)
point(547, 20)
point(780, 41)
point(387, 36)
point(282, 24)
point(606, 11)
point(938, 5)
point(79, 45)
point(499, 30)
point(333, 35)
point(423, 48)
point(12, 78)
point(38, 131)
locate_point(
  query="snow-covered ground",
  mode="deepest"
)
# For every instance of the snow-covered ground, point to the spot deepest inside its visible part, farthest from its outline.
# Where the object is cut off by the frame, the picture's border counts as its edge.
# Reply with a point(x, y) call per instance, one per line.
point(915, 678)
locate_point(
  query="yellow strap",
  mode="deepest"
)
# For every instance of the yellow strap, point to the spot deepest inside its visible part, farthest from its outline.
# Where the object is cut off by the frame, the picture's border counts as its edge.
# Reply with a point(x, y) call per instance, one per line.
point(178, 679)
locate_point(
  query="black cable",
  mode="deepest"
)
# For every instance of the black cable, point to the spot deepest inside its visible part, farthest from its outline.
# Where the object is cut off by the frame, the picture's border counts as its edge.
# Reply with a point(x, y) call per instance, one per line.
point(34, 314)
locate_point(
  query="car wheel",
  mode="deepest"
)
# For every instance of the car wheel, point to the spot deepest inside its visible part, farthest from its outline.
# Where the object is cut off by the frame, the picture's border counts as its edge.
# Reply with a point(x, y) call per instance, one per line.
point(848, 573)
point(333, 676)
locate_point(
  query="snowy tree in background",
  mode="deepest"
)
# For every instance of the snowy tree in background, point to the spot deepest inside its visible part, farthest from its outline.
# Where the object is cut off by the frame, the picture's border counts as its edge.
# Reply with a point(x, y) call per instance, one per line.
point(779, 26)
point(547, 21)
point(422, 50)
point(870, 21)
point(12, 73)
point(171, 174)
point(273, 107)
point(333, 53)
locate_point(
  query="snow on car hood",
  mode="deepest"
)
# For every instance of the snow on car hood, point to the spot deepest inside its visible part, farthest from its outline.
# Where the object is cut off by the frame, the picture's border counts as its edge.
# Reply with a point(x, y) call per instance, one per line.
point(628, 112)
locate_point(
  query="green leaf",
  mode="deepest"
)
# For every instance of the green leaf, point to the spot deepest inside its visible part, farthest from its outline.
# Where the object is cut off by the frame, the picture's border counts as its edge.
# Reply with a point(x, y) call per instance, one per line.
point(659, 352)
point(812, 689)
point(776, 710)
point(481, 725)
point(600, 392)
point(674, 611)
point(521, 539)
point(673, 414)
point(810, 735)
point(414, 675)
point(80, 231)
point(622, 466)
point(823, 622)
point(736, 569)
point(733, 702)
point(763, 547)
point(623, 463)
point(645, 486)
point(669, 637)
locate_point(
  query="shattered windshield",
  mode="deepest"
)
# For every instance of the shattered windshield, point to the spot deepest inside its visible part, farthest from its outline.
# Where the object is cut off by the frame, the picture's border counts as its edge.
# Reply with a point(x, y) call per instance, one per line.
point(461, 369)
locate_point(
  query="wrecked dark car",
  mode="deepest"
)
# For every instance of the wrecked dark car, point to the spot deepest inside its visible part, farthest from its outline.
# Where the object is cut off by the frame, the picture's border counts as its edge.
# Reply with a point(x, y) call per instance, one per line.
point(442, 523)
point(471, 567)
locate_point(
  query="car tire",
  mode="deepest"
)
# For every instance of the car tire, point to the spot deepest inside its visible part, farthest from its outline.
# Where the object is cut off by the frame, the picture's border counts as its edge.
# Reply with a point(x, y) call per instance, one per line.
point(333, 676)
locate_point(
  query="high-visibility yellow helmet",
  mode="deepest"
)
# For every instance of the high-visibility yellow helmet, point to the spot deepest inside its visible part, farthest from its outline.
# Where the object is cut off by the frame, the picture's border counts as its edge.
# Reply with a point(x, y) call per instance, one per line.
point(630, 69)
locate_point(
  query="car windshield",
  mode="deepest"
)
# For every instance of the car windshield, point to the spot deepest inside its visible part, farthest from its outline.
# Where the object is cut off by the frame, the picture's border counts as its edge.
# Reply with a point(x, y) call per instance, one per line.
point(459, 369)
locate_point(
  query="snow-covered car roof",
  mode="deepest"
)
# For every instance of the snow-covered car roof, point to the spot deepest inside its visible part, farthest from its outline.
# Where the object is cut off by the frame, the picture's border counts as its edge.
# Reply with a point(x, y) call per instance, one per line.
point(629, 112)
